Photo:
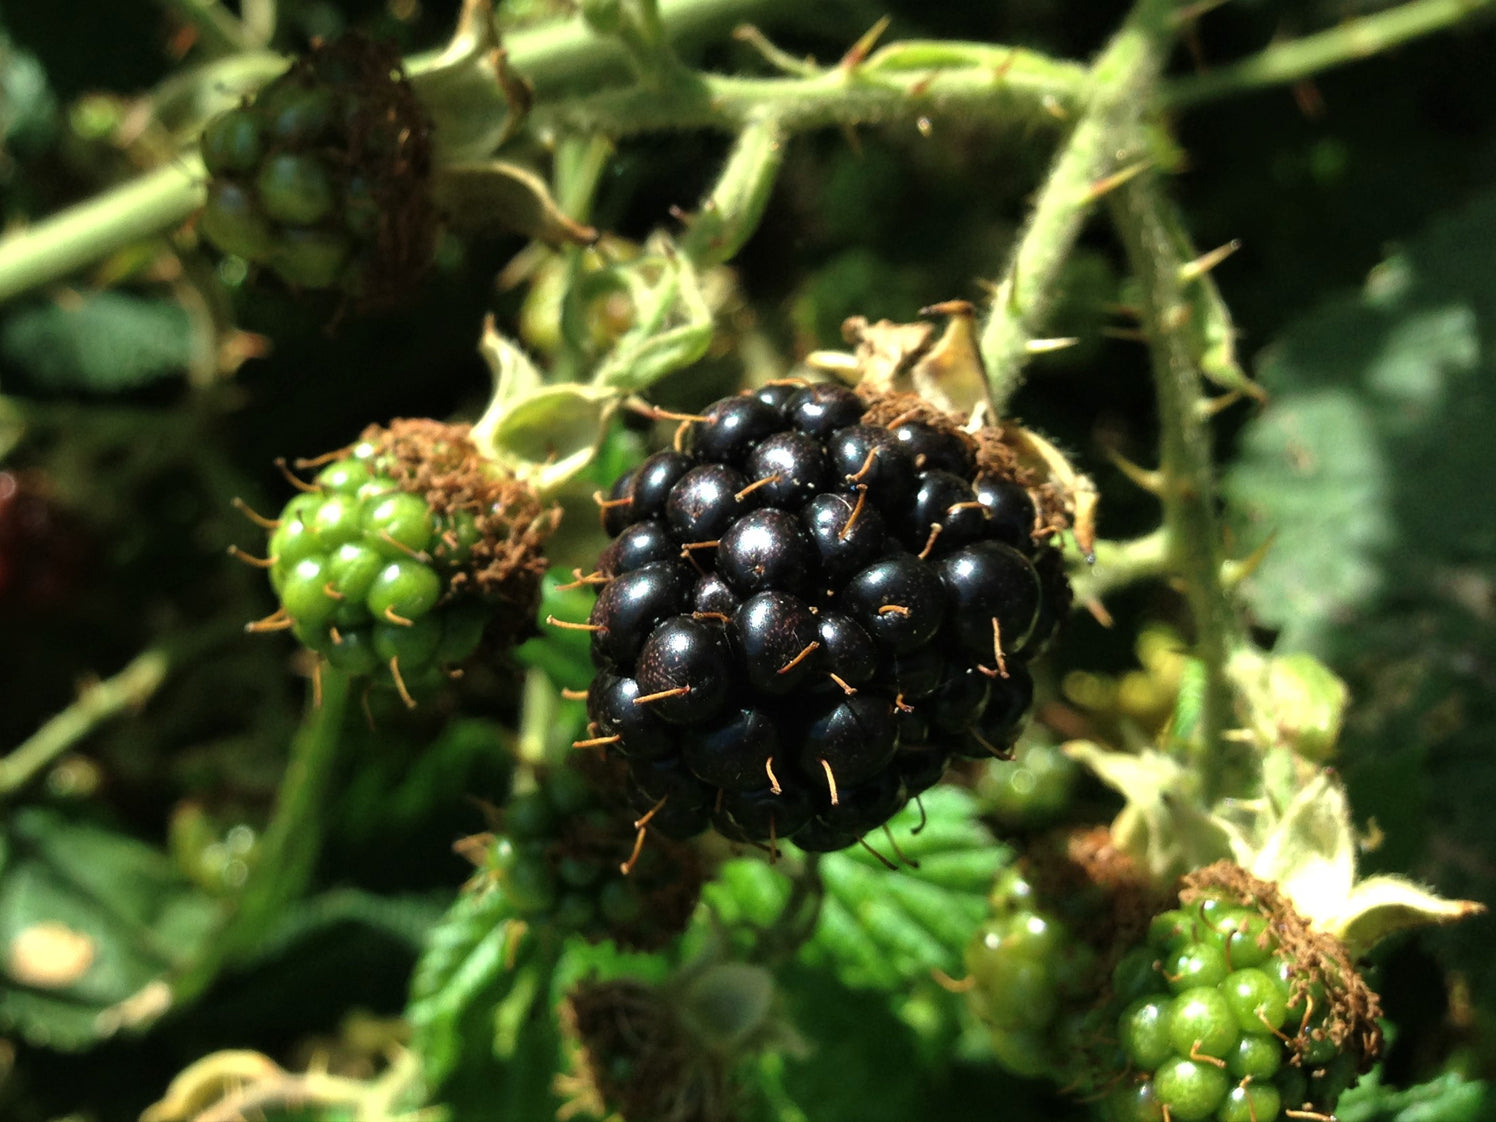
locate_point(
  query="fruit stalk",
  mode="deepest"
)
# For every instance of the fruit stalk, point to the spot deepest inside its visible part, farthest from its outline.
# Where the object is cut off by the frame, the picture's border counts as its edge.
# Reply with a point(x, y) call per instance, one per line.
point(1122, 86)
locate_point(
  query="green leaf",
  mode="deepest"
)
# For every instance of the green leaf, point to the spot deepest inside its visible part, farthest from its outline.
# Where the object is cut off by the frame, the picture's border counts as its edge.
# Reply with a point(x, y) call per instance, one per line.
point(90, 919)
point(887, 928)
point(101, 341)
point(468, 961)
point(1450, 1098)
point(28, 108)
point(1371, 466)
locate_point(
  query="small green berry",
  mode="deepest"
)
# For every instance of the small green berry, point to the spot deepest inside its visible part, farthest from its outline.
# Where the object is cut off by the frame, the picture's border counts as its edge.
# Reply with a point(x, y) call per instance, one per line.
point(1250, 1102)
point(294, 189)
point(1192, 1091)
point(406, 589)
point(1203, 1023)
point(232, 142)
point(232, 222)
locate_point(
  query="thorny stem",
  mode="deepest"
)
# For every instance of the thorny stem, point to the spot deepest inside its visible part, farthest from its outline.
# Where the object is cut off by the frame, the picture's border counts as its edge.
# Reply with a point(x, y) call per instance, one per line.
point(900, 83)
point(1139, 210)
point(1122, 83)
point(131, 688)
point(1349, 41)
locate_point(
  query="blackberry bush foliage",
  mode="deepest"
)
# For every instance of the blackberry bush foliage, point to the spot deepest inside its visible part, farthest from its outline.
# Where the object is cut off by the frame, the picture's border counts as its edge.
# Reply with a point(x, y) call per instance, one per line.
point(810, 605)
point(403, 551)
point(323, 175)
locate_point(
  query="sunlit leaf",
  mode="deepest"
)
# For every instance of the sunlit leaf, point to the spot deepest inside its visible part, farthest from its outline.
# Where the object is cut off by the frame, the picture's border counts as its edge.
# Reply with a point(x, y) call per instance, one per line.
point(92, 925)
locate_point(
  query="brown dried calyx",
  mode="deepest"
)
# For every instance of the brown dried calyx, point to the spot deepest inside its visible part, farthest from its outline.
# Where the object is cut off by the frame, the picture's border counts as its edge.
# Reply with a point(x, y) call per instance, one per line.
point(637, 1058)
point(1350, 1022)
point(992, 445)
point(440, 463)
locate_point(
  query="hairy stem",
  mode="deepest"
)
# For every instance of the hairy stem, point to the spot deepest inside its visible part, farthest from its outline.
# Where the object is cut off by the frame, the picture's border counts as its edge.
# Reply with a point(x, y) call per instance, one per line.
point(292, 840)
point(899, 84)
point(141, 208)
point(131, 688)
point(1141, 214)
point(1122, 84)
point(1349, 41)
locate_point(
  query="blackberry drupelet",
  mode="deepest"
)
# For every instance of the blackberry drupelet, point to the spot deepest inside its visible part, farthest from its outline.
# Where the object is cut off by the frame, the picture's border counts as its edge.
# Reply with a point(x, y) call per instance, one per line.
point(816, 600)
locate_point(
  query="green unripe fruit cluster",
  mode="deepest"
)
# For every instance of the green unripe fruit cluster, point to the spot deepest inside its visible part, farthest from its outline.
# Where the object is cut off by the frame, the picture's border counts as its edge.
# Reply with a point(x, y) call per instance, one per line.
point(1029, 974)
point(321, 177)
point(1218, 1023)
point(560, 860)
point(363, 569)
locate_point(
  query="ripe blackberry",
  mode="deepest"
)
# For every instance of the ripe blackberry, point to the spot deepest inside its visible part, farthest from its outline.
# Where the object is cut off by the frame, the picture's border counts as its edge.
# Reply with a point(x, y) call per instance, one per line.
point(404, 550)
point(813, 600)
point(322, 176)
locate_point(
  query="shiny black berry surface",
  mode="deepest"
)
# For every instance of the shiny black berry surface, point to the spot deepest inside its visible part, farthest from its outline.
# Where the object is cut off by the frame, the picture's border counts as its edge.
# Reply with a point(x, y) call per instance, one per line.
point(807, 615)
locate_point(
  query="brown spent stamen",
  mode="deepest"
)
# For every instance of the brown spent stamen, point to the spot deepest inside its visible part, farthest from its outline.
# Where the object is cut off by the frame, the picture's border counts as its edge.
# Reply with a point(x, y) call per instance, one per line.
point(410, 702)
point(721, 618)
point(332, 593)
point(250, 559)
point(985, 743)
point(317, 683)
point(573, 695)
point(773, 779)
point(304, 462)
point(810, 648)
point(1201, 1058)
point(887, 864)
point(969, 504)
point(757, 483)
point(567, 625)
point(830, 782)
point(396, 618)
point(606, 503)
point(898, 608)
point(277, 620)
point(935, 530)
point(596, 742)
point(997, 649)
point(846, 530)
point(685, 550)
point(335, 635)
point(685, 418)
point(582, 580)
point(951, 985)
point(294, 480)
point(414, 554)
point(678, 691)
point(867, 465)
point(846, 689)
point(253, 515)
point(897, 852)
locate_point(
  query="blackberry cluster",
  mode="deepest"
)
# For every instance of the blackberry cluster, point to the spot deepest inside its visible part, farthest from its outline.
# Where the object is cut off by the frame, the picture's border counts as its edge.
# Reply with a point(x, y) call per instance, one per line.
point(1037, 965)
point(1236, 1012)
point(323, 176)
point(810, 606)
point(403, 550)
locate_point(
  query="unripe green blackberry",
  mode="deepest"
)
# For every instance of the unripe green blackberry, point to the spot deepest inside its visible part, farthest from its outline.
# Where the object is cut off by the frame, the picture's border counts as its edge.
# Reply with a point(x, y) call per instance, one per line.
point(561, 858)
point(323, 176)
point(1036, 966)
point(1243, 1013)
point(404, 551)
